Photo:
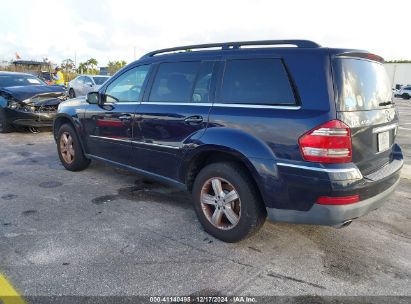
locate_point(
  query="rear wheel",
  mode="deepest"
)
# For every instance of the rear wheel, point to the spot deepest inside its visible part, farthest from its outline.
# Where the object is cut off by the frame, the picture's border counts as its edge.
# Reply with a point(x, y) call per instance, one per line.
point(72, 94)
point(227, 203)
point(5, 127)
point(69, 149)
point(405, 96)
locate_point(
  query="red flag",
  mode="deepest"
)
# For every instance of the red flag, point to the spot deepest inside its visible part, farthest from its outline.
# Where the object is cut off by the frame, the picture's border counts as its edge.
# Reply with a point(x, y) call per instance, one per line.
point(18, 56)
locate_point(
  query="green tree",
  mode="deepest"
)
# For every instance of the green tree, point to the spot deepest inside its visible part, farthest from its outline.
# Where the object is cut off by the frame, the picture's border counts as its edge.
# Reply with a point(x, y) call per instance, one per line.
point(92, 63)
point(82, 68)
point(67, 65)
point(114, 66)
point(88, 67)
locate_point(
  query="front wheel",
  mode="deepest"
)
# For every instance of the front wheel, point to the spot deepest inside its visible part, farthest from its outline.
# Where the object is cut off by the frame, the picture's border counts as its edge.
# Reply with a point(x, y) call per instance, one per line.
point(227, 203)
point(72, 94)
point(69, 149)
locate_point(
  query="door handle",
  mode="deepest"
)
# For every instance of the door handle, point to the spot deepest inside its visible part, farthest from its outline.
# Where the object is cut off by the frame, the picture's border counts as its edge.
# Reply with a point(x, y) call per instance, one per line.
point(125, 117)
point(194, 119)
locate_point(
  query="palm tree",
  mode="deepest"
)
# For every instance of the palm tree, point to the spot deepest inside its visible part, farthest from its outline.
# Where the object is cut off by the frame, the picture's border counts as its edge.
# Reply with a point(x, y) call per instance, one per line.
point(92, 63)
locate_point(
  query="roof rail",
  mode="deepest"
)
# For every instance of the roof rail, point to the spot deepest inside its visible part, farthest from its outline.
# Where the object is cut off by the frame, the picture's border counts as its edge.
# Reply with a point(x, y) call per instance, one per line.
point(235, 45)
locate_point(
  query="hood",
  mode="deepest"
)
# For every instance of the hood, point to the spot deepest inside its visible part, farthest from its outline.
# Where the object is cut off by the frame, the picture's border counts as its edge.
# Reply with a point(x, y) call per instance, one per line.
point(22, 93)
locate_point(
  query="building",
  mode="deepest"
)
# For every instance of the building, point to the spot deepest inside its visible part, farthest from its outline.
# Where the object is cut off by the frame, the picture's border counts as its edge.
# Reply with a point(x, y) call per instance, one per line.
point(399, 74)
point(103, 71)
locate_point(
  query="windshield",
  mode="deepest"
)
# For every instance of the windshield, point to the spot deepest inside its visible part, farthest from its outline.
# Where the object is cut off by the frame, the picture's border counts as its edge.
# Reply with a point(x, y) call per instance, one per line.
point(19, 80)
point(100, 80)
point(360, 84)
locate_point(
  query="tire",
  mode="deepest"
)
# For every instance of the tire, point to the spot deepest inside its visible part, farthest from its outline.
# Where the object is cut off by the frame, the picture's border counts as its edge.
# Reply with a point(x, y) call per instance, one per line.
point(5, 127)
point(215, 213)
point(69, 149)
point(72, 94)
point(405, 96)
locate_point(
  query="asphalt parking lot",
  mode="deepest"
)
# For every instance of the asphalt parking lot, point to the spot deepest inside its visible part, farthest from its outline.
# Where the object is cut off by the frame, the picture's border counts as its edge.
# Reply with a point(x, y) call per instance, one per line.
point(104, 231)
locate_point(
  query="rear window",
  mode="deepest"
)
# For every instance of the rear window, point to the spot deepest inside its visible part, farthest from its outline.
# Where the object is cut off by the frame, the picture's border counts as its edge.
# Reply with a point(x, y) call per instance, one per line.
point(360, 84)
point(256, 81)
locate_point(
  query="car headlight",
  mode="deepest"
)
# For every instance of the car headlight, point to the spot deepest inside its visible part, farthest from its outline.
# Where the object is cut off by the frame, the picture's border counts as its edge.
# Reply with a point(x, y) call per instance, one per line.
point(14, 105)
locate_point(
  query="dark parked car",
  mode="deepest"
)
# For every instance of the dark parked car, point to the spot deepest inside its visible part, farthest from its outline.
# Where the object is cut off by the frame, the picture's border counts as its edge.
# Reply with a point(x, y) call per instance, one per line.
point(27, 101)
point(303, 134)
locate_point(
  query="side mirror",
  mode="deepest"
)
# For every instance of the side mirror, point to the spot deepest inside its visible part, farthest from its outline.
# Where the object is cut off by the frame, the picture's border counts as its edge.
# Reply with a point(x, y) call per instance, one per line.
point(93, 97)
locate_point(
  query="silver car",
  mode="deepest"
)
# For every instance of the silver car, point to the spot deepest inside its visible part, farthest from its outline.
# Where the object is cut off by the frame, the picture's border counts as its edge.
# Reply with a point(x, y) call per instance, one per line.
point(83, 84)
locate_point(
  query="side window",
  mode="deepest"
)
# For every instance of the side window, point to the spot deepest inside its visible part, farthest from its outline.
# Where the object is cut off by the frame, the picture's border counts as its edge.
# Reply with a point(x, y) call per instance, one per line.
point(127, 87)
point(80, 80)
point(202, 87)
point(174, 82)
point(256, 81)
point(87, 80)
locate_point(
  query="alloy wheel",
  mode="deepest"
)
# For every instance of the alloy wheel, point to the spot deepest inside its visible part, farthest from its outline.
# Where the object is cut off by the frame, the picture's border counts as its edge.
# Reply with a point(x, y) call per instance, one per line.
point(220, 203)
point(66, 147)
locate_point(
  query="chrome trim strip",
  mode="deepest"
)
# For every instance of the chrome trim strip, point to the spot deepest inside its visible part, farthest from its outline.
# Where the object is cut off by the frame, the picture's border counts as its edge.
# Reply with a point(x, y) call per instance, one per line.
point(251, 106)
point(229, 105)
point(328, 170)
point(178, 103)
point(135, 142)
point(385, 128)
point(154, 145)
point(111, 138)
point(121, 103)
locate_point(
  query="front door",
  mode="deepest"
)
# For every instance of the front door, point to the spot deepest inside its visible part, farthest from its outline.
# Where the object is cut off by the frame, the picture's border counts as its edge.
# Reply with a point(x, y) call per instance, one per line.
point(173, 114)
point(111, 126)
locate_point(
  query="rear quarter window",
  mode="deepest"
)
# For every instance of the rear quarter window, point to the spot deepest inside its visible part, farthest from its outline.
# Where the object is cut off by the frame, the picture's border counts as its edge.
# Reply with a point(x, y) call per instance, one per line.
point(256, 81)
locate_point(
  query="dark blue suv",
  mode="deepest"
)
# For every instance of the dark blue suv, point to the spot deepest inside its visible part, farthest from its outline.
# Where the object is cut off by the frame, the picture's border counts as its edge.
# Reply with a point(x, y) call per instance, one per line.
point(289, 129)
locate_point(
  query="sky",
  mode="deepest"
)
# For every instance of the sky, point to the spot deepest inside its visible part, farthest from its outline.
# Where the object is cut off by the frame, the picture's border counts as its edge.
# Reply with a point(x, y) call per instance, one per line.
point(125, 30)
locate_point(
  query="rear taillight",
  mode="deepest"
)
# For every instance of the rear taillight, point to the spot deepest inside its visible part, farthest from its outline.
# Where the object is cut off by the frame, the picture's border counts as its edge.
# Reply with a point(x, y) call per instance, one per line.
point(342, 200)
point(327, 143)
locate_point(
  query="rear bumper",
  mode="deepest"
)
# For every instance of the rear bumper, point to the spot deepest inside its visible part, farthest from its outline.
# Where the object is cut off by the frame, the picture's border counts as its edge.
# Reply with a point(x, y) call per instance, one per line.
point(291, 196)
point(330, 215)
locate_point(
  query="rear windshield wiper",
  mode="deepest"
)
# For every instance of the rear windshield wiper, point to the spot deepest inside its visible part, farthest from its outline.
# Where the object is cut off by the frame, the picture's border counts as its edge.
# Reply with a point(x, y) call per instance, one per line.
point(386, 103)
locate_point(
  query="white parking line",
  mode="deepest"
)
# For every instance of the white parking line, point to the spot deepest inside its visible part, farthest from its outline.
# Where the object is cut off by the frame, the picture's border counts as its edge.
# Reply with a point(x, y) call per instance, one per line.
point(402, 128)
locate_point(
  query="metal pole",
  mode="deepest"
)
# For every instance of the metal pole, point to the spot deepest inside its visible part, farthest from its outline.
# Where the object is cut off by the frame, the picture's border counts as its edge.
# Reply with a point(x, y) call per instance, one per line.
point(393, 76)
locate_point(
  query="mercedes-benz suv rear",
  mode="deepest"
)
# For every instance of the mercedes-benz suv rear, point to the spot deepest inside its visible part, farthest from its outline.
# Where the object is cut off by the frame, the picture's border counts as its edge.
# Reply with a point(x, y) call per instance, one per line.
point(303, 134)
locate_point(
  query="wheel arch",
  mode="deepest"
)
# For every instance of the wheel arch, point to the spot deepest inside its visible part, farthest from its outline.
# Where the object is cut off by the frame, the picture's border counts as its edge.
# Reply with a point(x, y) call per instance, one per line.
point(212, 154)
point(62, 119)
point(232, 145)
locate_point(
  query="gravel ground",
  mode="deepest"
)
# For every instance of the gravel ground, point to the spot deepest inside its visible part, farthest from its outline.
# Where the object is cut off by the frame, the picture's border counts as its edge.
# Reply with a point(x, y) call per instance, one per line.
point(104, 231)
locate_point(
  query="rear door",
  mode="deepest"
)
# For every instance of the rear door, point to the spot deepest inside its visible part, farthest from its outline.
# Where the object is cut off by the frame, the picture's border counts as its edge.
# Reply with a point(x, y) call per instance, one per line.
point(364, 102)
point(174, 113)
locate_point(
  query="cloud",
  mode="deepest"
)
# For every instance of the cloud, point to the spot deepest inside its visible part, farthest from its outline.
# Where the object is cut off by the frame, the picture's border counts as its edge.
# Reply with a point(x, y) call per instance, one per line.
point(111, 30)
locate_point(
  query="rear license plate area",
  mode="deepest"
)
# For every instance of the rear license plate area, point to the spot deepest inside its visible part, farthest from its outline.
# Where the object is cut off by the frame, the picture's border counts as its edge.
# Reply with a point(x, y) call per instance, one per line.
point(383, 141)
